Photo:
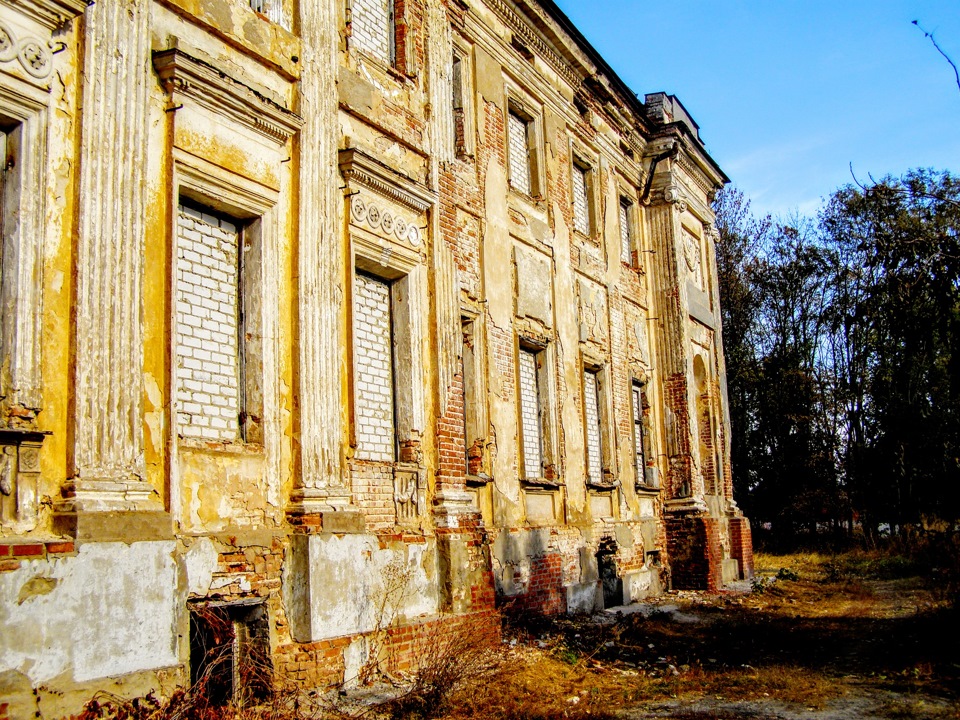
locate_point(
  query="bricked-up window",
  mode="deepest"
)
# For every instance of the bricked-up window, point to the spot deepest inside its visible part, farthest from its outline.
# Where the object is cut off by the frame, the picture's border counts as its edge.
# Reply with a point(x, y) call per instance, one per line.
point(373, 346)
point(531, 413)
point(626, 231)
point(209, 310)
point(582, 222)
point(373, 28)
point(639, 436)
point(522, 152)
point(592, 419)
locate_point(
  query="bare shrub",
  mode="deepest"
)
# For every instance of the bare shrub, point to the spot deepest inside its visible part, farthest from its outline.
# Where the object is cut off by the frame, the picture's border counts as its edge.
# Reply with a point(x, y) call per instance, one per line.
point(453, 655)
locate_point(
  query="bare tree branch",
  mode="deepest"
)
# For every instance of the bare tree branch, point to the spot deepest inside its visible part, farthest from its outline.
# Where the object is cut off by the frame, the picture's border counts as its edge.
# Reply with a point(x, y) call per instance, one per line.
point(940, 50)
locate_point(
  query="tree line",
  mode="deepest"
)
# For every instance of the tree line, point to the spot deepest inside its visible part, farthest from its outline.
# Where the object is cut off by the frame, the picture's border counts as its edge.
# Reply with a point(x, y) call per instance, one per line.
point(842, 341)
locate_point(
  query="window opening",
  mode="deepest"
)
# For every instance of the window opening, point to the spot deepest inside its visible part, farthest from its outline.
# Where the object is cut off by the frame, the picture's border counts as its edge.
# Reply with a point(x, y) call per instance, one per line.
point(626, 231)
point(373, 345)
point(581, 206)
point(459, 120)
point(521, 177)
point(640, 462)
point(472, 441)
point(591, 385)
point(531, 414)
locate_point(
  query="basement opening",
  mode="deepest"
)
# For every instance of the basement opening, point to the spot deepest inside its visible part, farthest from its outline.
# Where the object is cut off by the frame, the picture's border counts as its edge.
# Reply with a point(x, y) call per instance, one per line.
point(230, 652)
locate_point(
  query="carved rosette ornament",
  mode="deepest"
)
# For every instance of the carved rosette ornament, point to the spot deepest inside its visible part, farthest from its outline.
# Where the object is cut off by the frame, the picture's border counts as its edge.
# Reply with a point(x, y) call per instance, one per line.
point(384, 221)
point(32, 54)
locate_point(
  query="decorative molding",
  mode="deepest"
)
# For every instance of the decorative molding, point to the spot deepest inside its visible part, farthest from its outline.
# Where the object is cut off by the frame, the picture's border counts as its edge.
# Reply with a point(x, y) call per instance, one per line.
point(385, 222)
point(409, 493)
point(184, 76)
point(52, 14)
point(686, 163)
point(20, 477)
point(531, 39)
point(30, 52)
point(362, 169)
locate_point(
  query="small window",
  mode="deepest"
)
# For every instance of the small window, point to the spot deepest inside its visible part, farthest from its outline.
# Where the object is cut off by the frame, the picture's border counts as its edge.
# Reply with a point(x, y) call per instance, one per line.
point(373, 29)
point(581, 200)
point(626, 231)
point(531, 413)
point(522, 152)
point(592, 419)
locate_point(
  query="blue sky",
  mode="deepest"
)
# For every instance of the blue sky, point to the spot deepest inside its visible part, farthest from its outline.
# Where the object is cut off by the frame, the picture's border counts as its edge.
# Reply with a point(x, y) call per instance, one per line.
point(788, 94)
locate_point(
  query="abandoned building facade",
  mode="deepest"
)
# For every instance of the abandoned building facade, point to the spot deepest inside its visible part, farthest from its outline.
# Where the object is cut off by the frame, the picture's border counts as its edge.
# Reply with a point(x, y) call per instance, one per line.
point(302, 298)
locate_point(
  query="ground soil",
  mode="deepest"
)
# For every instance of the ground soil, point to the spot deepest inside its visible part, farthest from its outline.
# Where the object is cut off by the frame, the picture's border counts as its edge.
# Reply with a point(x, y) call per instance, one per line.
point(812, 638)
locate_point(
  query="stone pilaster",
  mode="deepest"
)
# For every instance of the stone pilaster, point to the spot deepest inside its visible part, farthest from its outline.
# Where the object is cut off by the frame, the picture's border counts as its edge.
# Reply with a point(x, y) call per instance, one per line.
point(439, 62)
point(108, 433)
point(321, 485)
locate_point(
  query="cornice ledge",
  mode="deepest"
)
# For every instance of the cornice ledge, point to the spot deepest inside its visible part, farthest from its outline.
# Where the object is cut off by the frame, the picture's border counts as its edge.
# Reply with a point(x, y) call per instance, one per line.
point(519, 26)
point(185, 76)
point(52, 14)
point(357, 166)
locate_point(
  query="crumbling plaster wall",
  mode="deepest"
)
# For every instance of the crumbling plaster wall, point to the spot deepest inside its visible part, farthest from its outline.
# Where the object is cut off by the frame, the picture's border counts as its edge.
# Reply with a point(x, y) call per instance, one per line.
point(70, 623)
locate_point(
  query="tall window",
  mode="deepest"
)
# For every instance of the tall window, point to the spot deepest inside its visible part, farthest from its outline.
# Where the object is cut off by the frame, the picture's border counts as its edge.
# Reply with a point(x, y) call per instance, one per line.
point(640, 463)
point(209, 325)
point(459, 119)
point(531, 410)
point(581, 200)
point(626, 230)
point(518, 136)
point(471, 431)
point(372, 28)
point(594, 435)
point(373, 345)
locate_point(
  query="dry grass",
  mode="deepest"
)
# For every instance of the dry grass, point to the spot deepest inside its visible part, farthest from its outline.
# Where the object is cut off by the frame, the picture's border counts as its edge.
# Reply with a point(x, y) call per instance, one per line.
point(829, 626)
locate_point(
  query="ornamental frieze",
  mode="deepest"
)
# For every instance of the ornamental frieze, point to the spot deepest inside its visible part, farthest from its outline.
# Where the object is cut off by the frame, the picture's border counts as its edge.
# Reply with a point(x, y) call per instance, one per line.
point(29, 52)
point(384, 221)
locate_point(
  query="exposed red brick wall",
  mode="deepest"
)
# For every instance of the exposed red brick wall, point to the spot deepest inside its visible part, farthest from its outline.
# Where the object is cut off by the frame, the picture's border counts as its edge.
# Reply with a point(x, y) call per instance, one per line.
point(694, 552)
point(12, 553)
point(320, 664)
point(741, 545)
point(545, 593)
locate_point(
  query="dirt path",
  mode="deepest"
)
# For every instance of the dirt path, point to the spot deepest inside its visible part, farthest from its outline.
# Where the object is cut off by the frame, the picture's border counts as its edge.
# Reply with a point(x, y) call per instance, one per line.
point(821, 642)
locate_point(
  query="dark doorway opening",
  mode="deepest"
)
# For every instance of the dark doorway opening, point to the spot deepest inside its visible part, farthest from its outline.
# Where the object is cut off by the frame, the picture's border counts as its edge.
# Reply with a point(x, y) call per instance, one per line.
point(607, 569)
point(230, 652)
